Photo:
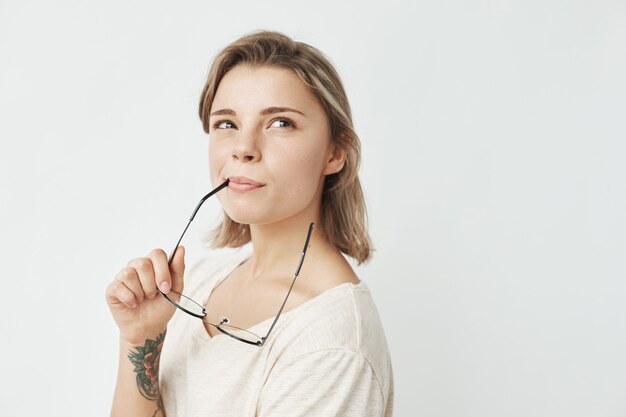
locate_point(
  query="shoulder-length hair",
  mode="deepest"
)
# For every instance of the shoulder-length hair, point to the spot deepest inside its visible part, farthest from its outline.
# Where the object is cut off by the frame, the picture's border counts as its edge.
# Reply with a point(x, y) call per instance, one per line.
point(343, 211)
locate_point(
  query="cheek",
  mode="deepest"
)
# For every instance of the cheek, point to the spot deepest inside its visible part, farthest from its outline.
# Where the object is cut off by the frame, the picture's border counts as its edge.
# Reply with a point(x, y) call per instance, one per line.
point(217, 159)
point(301, 174)
point(309, 167)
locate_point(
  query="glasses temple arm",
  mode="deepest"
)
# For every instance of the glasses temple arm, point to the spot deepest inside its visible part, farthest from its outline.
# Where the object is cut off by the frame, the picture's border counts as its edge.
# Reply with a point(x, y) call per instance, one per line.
point(306, 245)
point(222, 185)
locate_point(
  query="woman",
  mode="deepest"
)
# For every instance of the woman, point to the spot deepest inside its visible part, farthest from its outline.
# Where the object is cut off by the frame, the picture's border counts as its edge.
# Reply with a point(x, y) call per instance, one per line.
point(283, 154)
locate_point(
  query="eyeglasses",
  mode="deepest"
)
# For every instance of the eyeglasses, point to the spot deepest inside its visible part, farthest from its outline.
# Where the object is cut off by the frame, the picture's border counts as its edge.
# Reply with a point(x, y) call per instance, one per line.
point(196, 309)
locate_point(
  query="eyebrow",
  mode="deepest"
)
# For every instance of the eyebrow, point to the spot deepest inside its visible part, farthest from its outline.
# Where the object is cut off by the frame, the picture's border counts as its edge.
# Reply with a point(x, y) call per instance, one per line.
point(264, 112)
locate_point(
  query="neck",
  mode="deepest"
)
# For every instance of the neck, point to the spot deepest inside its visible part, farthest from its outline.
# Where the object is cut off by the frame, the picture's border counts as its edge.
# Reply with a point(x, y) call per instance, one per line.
point(277, 247)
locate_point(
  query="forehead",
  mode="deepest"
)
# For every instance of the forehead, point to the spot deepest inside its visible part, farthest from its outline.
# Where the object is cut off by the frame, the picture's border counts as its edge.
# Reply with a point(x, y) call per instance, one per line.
point(247, 87)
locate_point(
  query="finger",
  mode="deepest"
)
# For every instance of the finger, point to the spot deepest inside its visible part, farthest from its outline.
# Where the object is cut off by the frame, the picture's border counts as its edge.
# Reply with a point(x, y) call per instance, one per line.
point(162, 276)
point(177, 269)
point(128, 276)
point(119, 294)
point(145, 271)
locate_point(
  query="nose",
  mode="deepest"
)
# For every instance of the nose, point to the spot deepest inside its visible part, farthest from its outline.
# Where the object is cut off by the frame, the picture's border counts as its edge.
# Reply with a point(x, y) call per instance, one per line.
point(246, 148)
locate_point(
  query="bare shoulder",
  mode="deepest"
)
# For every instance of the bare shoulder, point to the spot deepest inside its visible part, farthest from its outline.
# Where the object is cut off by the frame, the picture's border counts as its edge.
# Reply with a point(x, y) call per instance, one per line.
point(329, 272)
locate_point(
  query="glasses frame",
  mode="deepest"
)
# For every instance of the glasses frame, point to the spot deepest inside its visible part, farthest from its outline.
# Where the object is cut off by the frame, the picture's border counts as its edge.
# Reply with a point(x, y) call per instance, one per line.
point(202, 316)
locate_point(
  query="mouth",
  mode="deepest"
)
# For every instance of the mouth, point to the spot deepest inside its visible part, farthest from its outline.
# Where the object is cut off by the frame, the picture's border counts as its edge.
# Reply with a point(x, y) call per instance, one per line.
point(243, 184)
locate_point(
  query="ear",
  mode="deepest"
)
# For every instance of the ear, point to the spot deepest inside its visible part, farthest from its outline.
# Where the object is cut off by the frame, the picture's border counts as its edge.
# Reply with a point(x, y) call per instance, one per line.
point(336, 159)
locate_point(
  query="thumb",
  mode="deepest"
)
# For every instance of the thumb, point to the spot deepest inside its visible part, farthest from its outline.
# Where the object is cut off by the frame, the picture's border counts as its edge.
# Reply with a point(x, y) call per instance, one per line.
point(177, 269)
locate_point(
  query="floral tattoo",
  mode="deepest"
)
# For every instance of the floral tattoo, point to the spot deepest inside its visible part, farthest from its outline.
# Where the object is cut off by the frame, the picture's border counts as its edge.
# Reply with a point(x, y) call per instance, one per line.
point(146, 361)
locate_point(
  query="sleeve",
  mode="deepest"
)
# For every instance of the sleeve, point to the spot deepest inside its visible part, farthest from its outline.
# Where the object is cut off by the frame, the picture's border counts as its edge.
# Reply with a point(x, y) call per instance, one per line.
point(323, 383)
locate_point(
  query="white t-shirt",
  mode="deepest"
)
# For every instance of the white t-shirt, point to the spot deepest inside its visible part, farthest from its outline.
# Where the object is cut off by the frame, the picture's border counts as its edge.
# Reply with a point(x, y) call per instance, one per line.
point(326, 357)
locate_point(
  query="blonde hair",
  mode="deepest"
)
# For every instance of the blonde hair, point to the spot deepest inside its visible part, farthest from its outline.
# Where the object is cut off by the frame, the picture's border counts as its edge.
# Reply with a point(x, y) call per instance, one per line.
point(343, 212)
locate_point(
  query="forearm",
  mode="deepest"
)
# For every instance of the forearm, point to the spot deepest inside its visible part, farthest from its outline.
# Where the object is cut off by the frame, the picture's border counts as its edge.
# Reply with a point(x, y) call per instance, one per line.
point(137, 390)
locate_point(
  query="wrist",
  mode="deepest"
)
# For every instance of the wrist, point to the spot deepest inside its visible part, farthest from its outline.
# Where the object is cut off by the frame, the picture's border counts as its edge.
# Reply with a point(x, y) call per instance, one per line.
point(144, 360)
point(135, 341)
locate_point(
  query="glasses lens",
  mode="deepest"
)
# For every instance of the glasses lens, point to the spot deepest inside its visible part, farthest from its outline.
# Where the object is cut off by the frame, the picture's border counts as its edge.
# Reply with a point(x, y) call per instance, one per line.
point(186, 303)
point(240, 333)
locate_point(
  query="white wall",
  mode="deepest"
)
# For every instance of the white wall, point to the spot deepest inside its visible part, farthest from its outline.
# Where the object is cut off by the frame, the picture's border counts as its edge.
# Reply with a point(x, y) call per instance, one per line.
point(493, 143)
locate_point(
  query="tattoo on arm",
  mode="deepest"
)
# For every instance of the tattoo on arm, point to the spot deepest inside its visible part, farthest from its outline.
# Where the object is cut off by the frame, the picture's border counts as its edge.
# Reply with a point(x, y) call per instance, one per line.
point(146, 361)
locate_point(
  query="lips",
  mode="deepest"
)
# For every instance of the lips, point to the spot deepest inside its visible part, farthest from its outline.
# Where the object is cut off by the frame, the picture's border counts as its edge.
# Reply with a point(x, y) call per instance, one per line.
point(243, 184)
point(245, 180)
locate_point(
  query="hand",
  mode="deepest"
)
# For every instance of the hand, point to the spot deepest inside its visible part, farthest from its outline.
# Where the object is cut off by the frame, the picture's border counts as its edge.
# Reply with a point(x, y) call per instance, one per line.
point(138, 308)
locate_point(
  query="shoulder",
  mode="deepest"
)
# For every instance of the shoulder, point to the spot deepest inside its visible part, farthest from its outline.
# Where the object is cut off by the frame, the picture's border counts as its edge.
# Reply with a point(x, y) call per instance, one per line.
point(340, 324)
point(344, 316)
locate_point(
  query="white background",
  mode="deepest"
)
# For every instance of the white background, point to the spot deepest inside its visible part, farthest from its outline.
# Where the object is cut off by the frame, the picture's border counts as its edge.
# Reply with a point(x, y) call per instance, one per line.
point(493, 163)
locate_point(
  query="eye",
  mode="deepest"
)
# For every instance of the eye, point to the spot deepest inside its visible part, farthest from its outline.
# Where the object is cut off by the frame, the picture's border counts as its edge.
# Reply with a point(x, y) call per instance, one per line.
point(282, 123)
point(223, 124)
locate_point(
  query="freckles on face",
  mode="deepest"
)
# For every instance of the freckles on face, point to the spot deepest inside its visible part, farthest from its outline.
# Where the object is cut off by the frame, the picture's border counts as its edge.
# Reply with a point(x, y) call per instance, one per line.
point(267, 126)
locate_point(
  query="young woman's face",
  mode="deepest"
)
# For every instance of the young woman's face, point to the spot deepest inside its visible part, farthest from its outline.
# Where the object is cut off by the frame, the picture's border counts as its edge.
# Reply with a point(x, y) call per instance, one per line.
point(270, 136)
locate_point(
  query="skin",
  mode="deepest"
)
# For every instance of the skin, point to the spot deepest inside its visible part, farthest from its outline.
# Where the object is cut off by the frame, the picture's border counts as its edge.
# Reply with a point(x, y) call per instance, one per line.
point(290, 152)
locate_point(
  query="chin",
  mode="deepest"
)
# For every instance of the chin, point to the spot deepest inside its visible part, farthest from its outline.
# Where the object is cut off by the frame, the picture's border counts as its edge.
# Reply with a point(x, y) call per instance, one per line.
point(252, 216)
point(248, 217)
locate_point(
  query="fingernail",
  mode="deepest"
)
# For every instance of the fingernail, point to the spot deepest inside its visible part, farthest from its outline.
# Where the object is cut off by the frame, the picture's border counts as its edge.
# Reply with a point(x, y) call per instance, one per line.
point(165, 287)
